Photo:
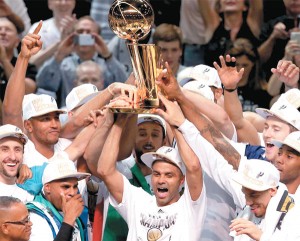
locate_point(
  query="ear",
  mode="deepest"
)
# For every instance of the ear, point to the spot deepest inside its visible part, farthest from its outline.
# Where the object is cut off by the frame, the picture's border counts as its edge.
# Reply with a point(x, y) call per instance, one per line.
point(4, 228)
point(218, 93)
point(28, 126)
point(273, 191)
point(47, 188)
point(182, 180)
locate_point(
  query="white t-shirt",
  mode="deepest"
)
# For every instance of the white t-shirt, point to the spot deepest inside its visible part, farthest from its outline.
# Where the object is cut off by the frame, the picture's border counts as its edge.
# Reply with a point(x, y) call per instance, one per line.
point(49, 32)
point(40, 229)
point(179, 221)
point(15, 191)
point(33, 158)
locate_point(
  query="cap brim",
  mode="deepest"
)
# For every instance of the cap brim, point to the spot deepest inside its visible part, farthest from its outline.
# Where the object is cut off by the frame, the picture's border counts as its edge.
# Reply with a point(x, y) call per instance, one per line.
point(290, 143)
point(78, 176)
point(277, 143)
point(265, 113)
point(240, 180)
point(84, 100)
point(150, 157)
point(22, 137)
point(60, 111)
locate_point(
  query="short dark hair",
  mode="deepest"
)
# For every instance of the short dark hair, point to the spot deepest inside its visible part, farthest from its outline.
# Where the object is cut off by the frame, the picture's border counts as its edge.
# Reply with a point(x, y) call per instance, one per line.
point(167, 33)
point(7, 202)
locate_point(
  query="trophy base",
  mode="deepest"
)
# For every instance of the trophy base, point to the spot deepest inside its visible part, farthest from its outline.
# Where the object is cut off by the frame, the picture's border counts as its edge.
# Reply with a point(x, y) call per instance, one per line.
point(130, 110)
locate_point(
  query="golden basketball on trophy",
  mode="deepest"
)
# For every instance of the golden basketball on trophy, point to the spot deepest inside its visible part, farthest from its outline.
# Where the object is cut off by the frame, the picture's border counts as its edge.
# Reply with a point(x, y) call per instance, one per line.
point(132, 20)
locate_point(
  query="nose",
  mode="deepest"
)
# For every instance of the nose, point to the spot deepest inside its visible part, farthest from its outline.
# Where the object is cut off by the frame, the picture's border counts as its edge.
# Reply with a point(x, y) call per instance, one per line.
point(267, 132)
point(12, 155)
point(161, 179)
point(249, 201)
point(54, 123)
point(2, 31)
point(72, 192)
point(149, 139)
point(279, 159)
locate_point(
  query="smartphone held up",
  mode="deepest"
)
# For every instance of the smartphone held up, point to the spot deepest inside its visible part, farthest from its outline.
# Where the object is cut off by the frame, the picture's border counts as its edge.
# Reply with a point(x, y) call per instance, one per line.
point(84, 40)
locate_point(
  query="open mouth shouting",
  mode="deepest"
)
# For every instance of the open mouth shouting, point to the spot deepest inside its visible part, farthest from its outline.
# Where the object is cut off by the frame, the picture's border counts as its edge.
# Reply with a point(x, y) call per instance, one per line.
point(162, 192)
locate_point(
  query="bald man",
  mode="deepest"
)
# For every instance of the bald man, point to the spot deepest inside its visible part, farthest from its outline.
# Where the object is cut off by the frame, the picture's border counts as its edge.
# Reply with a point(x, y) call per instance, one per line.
point(15, 224)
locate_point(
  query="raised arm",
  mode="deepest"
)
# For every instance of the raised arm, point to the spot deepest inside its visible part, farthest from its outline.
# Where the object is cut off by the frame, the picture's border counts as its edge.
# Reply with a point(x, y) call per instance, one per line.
point(255, 16)
point(210, 17)
point(214, 112)
point(96, 143)
point(288, 73)
point(230, 77)
point(107, 170)
point(169, 85)
point(78, 121)
point(15, 90)
point(194, 177)
point(266, 48)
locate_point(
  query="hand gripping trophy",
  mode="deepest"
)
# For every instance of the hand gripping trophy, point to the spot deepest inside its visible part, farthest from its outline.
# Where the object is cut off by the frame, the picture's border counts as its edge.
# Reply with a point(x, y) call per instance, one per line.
point(132, 20)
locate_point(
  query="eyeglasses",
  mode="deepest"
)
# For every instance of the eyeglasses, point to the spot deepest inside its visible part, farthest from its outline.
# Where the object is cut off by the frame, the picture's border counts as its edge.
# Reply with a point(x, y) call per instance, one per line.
point(24, 222)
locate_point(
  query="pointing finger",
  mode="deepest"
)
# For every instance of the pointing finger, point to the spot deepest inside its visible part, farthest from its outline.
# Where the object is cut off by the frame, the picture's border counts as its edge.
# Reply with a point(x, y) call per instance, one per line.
point(38, 28)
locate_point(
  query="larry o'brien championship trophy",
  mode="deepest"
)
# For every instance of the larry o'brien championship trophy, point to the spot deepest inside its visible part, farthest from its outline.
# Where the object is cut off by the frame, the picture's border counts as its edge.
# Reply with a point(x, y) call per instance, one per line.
point(132, 20)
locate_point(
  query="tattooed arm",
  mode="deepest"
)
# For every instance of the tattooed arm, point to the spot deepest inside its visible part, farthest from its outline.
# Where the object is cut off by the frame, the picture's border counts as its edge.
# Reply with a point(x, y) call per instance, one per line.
point(169, 85)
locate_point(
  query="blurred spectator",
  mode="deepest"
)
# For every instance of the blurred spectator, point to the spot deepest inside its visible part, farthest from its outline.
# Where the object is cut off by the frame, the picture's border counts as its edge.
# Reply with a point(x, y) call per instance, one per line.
point(99, 12)
point(9, 40)
point(169, 38)
point(231, 20)
point(54, 29)
point(193, 23)
point(252, 88)
point(275, 35)
point(277, 87)
point(58, 73)
point(88, 72)
point(16, 12)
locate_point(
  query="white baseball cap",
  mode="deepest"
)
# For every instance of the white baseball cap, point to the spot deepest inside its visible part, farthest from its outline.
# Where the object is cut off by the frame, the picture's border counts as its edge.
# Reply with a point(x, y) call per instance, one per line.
point(207, 75)
point(200, 88)
point(13, 131)
point(61, 167)
point(184, 74)
point(80, 95)
point(164, 153)
point(37, 105)
point(284, 111)
point(292, 96)
point(292, 140)
point(152, 118)
point(257, 175)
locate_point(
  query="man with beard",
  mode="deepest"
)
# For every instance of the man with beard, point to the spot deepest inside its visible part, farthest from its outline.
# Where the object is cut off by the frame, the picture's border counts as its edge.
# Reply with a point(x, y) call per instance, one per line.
point(150, 136)
point(12, 141)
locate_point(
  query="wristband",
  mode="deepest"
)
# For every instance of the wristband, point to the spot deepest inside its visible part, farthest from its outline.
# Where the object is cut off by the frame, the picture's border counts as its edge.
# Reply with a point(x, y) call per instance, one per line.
point(108, 57)
point(230, 90)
